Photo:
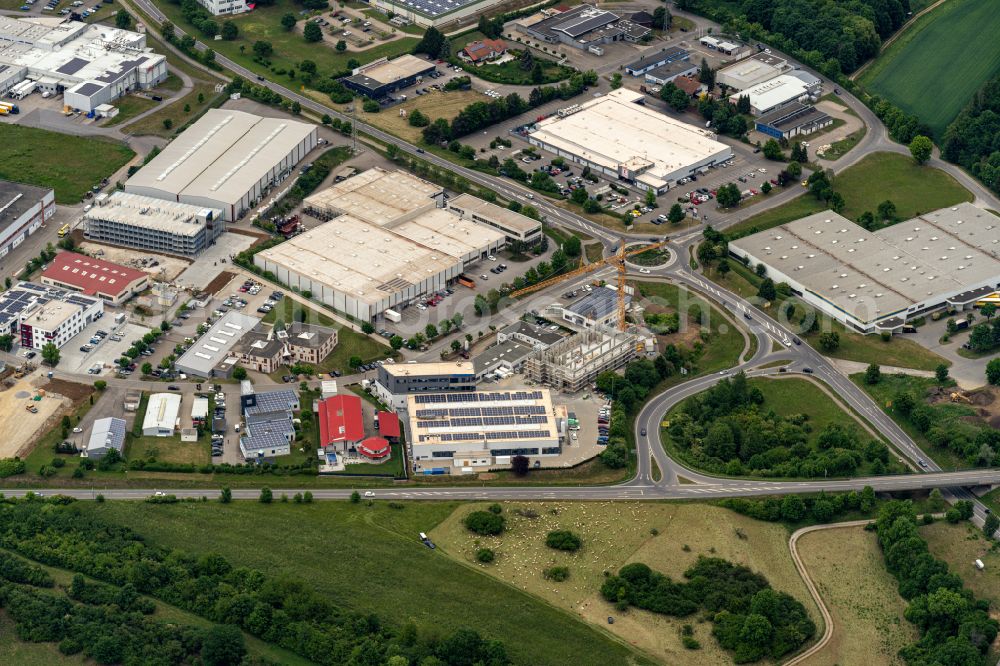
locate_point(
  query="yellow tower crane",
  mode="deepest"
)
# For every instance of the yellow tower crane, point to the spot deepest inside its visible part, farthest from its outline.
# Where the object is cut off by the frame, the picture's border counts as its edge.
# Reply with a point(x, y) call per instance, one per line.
point(617, 260)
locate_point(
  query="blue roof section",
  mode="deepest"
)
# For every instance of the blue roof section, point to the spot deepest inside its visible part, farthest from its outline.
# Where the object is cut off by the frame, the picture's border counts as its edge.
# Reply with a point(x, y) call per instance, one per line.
point(271, 401)
point(597, 304)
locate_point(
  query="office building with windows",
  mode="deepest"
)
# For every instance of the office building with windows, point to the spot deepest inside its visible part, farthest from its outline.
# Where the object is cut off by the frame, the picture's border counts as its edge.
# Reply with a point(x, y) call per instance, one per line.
point(396, 381)
point(157, 225)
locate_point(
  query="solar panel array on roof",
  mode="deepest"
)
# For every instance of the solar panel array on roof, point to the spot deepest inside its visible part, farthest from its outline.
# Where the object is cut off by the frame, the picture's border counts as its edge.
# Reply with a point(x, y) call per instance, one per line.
point(584, 23)
point(73, 66)
point(481, 396)
point(273, 401)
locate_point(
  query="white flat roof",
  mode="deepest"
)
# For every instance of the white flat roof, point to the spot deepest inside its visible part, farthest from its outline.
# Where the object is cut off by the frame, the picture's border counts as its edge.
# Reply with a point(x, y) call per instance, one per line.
point(613, 130)
point(505, 217)
point(771, 93)
point(395, 69)
point(221, 156)
point(150, 213)
point(363, 260)
point(51, 315)
point(871, 276)
point(161, 411)
point(213, 347)
point(376, 195)
point(444, 231)
point(434, 368)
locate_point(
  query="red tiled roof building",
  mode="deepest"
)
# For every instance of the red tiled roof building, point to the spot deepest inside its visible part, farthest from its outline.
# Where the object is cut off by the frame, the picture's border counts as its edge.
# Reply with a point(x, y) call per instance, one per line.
point(111, 282)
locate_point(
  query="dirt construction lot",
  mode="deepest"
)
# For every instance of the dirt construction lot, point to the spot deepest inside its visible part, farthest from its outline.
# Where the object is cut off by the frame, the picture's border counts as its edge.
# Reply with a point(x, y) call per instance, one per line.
point(615, 534)
point(166, 270)
point(20, 427)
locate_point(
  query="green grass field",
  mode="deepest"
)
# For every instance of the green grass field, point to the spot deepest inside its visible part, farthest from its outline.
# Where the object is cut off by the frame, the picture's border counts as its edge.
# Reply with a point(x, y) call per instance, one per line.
point(369, 559)
point(938, 63)
point(26, 157)
point(616, 533)
point(168, 450)
point(880, 176)
point(886, 391)
point(153, 123)
point(959, 545)
point(847, 567)
point(264, 24)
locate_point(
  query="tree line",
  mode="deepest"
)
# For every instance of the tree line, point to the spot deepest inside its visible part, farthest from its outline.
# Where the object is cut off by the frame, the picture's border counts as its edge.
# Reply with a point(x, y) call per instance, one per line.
point(749, 617)
point(955, 627)
point(728, 430)
point(479, 115)
point(794, 508)
point(279, 610)
point(973, 138)
point(834, 37)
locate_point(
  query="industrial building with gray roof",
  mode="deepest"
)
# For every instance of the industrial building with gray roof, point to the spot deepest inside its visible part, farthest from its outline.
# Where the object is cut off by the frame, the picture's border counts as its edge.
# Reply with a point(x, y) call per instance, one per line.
point(876, 281)
point(212, 348)
point(227, 160)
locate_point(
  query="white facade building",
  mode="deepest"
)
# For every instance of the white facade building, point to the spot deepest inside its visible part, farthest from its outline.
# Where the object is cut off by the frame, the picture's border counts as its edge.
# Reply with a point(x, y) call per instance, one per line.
point(91, 64)
point(876, 281)
point(751, 71)
point(161, 415)
point(622, 138)
point(774, 94)
point(492, 428)
point(224, 7)
point(23, 210)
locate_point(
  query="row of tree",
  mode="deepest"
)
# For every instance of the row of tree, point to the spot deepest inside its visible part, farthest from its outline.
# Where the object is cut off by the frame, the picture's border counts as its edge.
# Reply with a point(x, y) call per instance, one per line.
point(955, 627)
point(793, 508)
point(835, 37)
point(479, 115)
point(973, 138)
point(282, 611)
point(749, 617)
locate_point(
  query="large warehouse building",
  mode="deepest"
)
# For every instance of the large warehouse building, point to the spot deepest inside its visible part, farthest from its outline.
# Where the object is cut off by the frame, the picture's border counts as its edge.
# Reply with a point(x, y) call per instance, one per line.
point(622, 139)
point(459, 432)
point(429, 13)
point(92, 64)
point(23, 209)
point(202, 359)
point(226, 160)
point(876, 281)
point(383, 77)
point(389, 245)
point(157, 225)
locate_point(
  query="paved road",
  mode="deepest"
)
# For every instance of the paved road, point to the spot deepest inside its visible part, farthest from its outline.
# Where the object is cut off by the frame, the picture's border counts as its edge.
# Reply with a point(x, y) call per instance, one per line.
point(763, 327)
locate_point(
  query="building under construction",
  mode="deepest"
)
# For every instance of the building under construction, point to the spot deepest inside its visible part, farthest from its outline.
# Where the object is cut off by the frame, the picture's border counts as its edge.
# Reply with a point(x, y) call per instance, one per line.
point(574, 363)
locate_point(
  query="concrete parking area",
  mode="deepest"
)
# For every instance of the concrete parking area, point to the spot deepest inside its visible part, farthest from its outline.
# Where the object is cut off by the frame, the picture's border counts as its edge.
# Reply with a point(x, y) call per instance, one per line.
point(106, 352)
point(206, 266)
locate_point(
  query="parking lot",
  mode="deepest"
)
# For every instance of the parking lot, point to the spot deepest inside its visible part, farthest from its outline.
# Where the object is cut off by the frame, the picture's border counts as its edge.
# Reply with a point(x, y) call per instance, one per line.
point(105, 352)
point(215, 259)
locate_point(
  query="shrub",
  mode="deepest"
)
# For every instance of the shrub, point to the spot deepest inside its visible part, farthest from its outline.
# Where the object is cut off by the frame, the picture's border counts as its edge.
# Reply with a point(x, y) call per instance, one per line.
point(485, 555)
point(496, 508)
point(563, 540)
point(485, 523)
point(556, 574)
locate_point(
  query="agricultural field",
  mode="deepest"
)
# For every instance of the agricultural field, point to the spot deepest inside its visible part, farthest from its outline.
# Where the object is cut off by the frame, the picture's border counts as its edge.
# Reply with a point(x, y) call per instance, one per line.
point(26, 156)
point(960, 545)
point(939, 62)
point(667, 537)
point(847, 568)
point(913, 188)
point(369, 559)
